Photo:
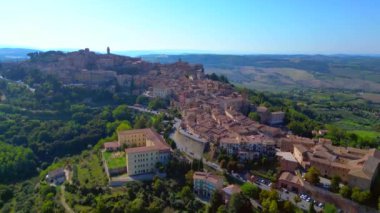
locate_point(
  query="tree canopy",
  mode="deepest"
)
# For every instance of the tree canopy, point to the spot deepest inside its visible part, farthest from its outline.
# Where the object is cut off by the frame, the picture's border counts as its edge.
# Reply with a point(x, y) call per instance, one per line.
point(312, 175)
point(16, 163)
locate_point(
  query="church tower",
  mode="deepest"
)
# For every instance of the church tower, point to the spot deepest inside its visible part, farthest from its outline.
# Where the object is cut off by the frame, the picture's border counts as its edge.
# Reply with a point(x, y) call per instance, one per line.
point(108, 50)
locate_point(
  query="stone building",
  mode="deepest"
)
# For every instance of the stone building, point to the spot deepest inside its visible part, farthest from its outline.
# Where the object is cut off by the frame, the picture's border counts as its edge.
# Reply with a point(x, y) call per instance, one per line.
point(148, 149)
point(357, 167)
point(205, 184)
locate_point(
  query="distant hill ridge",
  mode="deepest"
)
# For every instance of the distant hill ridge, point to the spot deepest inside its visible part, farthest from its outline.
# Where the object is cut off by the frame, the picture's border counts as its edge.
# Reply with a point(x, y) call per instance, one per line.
point(264, 72)
point(284, 72)
point(14, 54)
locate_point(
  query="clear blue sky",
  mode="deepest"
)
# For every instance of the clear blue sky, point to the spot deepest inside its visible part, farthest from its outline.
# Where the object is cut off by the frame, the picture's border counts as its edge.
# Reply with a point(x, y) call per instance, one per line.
point(229, 26)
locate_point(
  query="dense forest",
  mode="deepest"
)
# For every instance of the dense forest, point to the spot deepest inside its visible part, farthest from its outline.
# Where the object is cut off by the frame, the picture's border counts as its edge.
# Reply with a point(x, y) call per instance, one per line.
point(16, 162)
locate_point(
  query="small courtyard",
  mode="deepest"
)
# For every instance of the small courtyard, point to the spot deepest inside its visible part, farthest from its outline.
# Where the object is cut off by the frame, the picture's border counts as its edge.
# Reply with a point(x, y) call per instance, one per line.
point(115, 160)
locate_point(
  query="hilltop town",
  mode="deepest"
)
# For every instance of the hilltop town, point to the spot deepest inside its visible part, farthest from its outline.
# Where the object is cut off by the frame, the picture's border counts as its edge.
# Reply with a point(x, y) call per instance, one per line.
point(214, 114)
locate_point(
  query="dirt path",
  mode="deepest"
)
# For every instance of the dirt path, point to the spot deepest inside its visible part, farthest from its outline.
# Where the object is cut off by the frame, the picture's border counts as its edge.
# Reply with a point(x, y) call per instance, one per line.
point(63, 201)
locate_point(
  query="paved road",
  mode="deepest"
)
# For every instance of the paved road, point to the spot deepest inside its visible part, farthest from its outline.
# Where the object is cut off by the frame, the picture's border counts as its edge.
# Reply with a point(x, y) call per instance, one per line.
point(142, 109)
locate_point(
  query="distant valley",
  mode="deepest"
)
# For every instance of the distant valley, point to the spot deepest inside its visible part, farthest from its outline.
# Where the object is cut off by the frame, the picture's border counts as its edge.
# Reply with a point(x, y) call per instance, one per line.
point(285, 72)
point(277, 73)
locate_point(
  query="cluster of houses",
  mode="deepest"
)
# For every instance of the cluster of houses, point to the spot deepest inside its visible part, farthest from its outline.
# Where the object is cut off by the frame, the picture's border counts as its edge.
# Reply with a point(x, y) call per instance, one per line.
point(355, 167)
point(213, 112)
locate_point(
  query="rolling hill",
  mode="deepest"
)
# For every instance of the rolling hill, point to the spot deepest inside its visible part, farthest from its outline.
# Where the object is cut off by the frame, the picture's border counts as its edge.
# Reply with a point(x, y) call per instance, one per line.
point(14, 54)
point(284, 72)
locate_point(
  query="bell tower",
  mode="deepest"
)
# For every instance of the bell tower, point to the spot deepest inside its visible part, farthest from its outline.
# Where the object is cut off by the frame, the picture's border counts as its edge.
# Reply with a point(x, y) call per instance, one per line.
point(108, 51)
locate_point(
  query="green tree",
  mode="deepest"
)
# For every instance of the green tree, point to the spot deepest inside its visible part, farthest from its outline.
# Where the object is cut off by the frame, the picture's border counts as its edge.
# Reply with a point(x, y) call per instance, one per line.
point(273, 208)
point(6, 193)
point(329, 208)
point(359, 196)
point(197, 165)
point(239, 203)
point(273, 194)
point(125, 125)
point(155, 206)
point(142, 100)
point(222, 209)
point(121, 112)
point(250, 190)
point(16, 163)
point(47, 207)
point(312, 175)
point(158, 186)
point(189, 178)
point(335, 181)
point(297, 199)
point(140, 122)
point(345, 191)
point(137, 205)
point(186, 194)
point(254, 116)
point(156, 104)
point(216, 201)
point(288, 206)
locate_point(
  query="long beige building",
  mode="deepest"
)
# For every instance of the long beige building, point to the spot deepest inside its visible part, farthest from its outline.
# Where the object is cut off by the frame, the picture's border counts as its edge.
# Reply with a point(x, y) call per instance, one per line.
point(357, 167)
point(146, 149)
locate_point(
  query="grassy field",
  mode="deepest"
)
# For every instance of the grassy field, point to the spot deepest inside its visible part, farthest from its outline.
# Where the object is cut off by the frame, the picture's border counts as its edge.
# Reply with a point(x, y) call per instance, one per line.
point(90, 170)
point(344, 109)
point(115, 159)
point(367, 133)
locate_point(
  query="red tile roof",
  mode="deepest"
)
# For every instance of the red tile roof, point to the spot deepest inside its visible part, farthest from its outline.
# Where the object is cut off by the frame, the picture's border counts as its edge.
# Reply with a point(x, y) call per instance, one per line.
point(113, 144)
point(158, 142)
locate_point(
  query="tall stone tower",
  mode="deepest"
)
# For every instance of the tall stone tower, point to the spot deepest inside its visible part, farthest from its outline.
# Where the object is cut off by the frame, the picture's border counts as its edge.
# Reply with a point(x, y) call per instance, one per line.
point(108, 50)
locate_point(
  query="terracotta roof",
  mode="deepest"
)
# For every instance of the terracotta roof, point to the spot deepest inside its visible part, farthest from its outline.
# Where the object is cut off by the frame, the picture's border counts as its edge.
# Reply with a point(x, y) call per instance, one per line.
point(371, 165)
point(287, 156)
point(158, 142)
point(132, 131)
point(113, 144)
point(232, 189)
point(290, 177)
point(207, 177)
point(300, 147)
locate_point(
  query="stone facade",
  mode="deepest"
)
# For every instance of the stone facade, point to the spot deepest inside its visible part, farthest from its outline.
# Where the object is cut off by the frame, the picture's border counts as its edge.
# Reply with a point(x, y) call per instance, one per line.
point(205, 184)
point(149, 150)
